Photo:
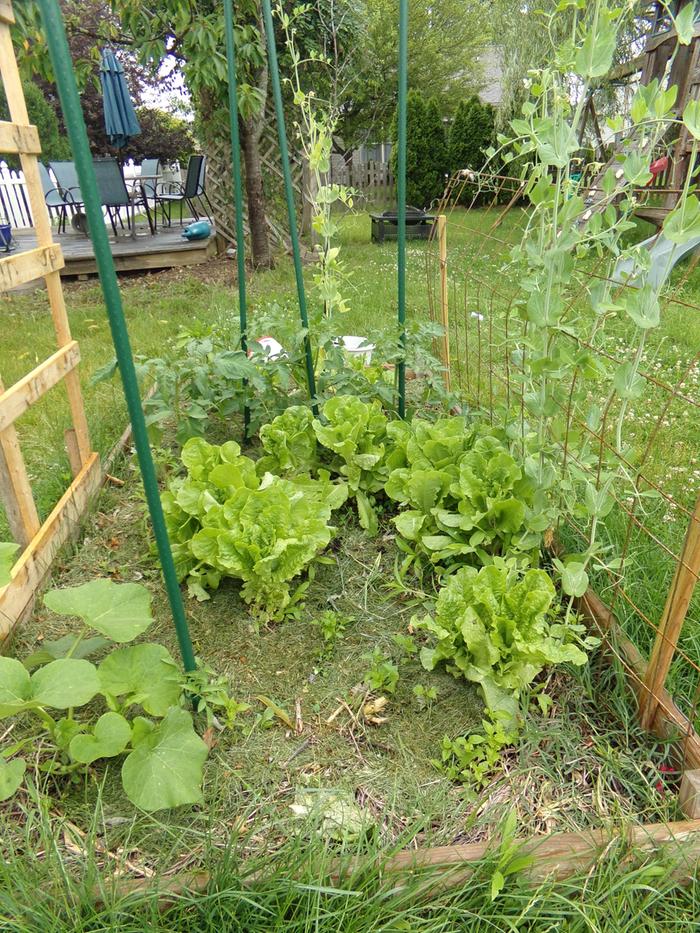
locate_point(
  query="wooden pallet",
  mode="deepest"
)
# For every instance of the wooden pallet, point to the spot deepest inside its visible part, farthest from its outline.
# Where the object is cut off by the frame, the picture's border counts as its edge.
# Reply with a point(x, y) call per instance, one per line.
point(39, 541)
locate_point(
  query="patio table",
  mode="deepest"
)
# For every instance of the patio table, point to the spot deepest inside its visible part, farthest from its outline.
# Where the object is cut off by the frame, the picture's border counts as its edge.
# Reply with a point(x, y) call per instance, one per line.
point(141, 181)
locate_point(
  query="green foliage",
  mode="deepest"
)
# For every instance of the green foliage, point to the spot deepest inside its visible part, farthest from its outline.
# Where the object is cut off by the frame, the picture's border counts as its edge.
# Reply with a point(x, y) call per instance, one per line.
point(163, 764)
point(496, 627)
point(164, 769)
point(425, 151)
point(355, 431)
point(471, 759)
point(163, 136)
point(446, 40)
point(471, 135)
point(210, 696)
point(54, 145)
point(119, 611)
point(316, 127)
point(383, 675)
point(463, 496)
point(225, 521)
point(7, 558)
point(199, 381)
point(425, 696)
point(289, 442)
point(331, 625)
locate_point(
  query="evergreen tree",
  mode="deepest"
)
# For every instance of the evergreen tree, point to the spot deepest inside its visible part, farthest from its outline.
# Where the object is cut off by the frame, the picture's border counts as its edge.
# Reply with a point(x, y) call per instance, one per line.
point(425, 151)
point(437, 147)
point(460, 148)
point(471, 135)
point(54, 146)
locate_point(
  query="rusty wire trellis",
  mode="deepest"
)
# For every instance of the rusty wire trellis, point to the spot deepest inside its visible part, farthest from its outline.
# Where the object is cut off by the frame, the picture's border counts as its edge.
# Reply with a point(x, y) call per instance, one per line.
point(648, 611)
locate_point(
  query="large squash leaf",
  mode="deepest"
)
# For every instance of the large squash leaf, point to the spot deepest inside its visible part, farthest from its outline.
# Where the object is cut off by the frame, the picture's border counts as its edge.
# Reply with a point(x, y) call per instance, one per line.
point(165, 768)
point(109, 738)
point(145, 673)
point(64, 683)
point(119, 611)
point(11, 775)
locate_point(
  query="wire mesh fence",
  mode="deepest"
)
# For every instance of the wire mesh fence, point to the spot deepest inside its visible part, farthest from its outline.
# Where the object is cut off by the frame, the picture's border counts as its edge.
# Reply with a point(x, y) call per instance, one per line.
point(649, 542)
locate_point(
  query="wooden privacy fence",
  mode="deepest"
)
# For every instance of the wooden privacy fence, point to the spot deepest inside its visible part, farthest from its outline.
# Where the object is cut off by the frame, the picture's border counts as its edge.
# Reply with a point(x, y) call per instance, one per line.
point(38, 541)
point(648, 607)
point(371, 179)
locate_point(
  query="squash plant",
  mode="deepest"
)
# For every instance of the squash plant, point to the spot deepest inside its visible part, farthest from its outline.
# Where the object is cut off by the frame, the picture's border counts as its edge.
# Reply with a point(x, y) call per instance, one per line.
point(57, 687)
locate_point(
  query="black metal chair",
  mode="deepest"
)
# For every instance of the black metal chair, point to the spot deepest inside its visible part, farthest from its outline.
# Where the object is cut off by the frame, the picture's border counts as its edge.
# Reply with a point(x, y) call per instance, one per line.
point(194, 187)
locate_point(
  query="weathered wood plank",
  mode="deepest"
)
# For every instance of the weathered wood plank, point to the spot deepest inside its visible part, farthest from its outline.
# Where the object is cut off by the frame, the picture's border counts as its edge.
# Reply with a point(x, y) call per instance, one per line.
point(34, 564)
point(671, 624)
point(552, 857)
point(23, 394)
point(15, 488)
point(16, 138)
point(669, 722)
point(6, 14)
point(20, 268)
point(689, 794)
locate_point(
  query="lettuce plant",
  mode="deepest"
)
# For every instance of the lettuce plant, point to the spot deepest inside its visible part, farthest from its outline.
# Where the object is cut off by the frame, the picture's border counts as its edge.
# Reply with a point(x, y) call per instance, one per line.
point(226, 521)
point(356, 432)
point(464, 497)
point(289, 442)
point(497, 627)
point(164, 755)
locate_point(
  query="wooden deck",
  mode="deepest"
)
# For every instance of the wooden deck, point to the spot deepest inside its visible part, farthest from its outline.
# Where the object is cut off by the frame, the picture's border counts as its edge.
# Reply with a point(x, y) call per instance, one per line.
point(166, 249)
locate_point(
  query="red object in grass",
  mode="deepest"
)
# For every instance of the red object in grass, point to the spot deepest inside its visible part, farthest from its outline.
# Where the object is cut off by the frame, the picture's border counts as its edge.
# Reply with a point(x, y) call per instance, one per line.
point(660, 785)
point(657, 167)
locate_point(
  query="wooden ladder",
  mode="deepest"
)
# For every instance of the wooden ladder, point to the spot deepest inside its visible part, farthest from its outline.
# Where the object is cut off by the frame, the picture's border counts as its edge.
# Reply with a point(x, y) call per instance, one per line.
point(39, 541)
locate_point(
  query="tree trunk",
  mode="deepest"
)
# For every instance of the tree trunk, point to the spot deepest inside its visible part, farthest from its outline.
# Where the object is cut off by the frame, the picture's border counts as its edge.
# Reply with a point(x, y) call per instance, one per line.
point(255, 195)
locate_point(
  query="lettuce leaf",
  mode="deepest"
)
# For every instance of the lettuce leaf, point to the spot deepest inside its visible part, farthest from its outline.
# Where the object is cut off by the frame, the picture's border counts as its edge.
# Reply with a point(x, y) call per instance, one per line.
point(226, 521)
point(496, 627)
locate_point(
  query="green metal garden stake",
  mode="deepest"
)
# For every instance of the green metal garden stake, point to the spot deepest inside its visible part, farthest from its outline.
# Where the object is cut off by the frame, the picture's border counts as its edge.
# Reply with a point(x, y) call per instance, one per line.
point(289, 194)
point(401, 198)
point(73, 118)
point(237, 189)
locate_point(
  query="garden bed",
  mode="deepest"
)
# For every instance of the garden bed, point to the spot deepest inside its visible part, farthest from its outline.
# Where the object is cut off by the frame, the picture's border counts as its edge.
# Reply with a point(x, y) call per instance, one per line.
point(583, 765)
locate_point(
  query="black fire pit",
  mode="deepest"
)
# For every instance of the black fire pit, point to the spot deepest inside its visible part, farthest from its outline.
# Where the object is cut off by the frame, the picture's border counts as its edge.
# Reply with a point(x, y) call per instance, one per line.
point(419, 225)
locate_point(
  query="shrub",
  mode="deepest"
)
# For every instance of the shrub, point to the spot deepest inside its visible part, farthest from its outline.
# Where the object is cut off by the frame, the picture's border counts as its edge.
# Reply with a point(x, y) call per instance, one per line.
point(424, 151)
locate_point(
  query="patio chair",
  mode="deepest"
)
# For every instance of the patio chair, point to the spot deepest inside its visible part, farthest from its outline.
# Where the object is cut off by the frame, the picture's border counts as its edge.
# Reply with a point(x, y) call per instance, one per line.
point(194, 187)
point(55, 201)
point(69, 186)
point(114, 194)
point(150, 169)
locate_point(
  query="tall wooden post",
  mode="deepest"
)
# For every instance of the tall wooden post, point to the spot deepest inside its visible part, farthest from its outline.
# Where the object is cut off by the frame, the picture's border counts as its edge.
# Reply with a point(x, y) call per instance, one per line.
point(444, 312)
point(675, 611)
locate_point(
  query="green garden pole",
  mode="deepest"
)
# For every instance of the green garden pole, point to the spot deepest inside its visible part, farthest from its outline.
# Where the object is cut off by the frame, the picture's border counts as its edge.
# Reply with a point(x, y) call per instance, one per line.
point(75, 124)
point(237, 188)
point(289, 194)
point(401, 197)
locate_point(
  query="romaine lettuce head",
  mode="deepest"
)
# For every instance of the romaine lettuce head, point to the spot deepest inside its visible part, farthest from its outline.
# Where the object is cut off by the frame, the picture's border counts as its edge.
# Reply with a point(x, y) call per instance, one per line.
point(289, 443)
point(496, 627)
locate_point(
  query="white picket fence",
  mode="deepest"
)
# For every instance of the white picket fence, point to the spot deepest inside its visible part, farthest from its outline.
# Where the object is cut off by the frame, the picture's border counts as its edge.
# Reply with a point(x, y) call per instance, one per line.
point(14, 203)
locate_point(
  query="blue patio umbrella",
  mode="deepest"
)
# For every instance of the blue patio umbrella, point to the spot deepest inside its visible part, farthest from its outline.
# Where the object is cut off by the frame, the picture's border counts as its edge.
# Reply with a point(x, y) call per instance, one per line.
point(121, 122)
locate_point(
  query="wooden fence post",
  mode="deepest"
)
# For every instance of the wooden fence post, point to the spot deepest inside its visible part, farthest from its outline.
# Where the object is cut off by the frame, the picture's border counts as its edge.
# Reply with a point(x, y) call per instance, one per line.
point(675, 610)
point(444, 312)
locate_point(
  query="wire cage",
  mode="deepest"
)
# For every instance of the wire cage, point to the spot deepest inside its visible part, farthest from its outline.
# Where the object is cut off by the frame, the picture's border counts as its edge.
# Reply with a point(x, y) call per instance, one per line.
point(642, 599)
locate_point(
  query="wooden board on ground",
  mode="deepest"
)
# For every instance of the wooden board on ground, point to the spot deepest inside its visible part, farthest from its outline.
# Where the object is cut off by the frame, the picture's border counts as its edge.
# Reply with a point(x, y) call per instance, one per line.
point(17, 598)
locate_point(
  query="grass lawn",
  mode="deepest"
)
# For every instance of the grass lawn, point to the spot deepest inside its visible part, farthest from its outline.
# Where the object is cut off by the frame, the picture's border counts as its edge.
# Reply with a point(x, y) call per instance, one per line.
point(583, 764)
